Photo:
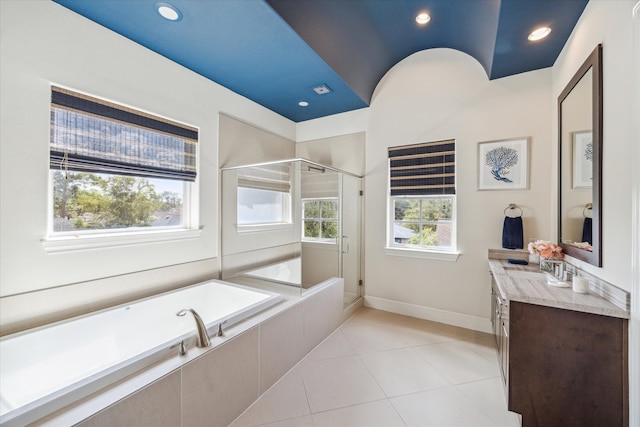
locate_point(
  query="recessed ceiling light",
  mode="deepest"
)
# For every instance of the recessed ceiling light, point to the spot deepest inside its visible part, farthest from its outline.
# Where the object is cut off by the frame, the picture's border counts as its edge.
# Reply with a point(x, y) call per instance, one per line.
point(539, 33)
point(422, 18)
point(303, 103)
point(168, 12)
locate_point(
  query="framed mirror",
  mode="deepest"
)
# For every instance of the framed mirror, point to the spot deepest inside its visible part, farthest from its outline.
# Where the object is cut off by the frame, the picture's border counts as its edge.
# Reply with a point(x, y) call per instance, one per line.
point(580, 162)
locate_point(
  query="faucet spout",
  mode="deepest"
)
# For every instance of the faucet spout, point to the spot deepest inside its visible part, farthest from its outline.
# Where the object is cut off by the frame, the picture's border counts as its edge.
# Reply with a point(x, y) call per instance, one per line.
point(202, 339)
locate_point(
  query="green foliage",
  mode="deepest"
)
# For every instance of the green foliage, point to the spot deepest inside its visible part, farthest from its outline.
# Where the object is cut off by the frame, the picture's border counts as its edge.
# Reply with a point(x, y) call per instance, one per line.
point(421, 215)
point(108, 201)
point(320, 219)
point(428, 237)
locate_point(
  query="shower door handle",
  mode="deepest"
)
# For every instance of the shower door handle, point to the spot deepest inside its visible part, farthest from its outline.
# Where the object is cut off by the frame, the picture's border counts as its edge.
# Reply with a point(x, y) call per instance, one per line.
point(343, 244)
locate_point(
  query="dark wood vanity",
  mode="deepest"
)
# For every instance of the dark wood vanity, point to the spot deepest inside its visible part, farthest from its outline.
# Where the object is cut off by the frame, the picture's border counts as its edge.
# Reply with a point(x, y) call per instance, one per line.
point(563, 355)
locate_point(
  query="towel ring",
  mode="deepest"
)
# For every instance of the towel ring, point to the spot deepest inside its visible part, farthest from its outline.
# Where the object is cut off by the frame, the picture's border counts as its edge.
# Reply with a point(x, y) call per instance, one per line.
point(513, 206)
point(588, 207)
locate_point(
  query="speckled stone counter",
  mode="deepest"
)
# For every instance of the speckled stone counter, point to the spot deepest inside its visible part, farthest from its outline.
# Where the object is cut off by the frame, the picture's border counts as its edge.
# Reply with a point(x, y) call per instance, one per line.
point(535, 290)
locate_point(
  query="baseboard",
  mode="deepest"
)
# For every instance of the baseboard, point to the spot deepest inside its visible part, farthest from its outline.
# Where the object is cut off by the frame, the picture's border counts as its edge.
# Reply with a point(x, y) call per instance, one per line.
point(429, 313)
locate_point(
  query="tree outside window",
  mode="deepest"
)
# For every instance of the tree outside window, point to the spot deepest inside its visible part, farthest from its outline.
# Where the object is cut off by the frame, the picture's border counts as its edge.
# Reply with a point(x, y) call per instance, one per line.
point(424, 222)
point(320, 219)
point(89, 201)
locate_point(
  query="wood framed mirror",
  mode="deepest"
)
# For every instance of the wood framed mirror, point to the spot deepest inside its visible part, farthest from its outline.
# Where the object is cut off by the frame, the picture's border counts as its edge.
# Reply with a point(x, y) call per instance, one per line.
point(580, 162)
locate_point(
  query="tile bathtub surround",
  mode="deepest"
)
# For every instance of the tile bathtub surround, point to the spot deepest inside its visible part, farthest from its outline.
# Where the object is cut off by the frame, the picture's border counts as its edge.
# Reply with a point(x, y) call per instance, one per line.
point(383, 369)
point(158, 404)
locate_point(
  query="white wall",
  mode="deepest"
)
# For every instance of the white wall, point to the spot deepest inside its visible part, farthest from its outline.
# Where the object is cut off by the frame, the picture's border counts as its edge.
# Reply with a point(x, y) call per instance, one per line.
point(44, 43)
point(609, 23)
point(435, 95)
point(344, 152)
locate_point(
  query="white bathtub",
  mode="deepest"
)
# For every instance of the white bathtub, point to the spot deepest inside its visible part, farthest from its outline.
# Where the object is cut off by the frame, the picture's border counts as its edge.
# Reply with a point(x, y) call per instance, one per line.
point(44, 369)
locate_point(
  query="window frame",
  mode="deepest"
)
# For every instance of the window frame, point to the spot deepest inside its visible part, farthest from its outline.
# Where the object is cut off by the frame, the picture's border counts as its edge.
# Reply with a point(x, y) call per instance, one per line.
point(75, 240)
point(266, 226)
point(392, 244)
point(96, 238)
point(325, 241)
point(414, 191)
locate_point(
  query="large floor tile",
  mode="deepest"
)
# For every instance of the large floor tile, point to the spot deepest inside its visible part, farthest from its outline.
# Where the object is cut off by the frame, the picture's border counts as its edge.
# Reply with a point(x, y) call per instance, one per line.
point(402, 371)
point(417, 332)
point(336, 383)
point(488, 396)
point(306, 421)
point(443, 407)
point(367, 337)
point(336, 345)
point(374, 414)
point(458, 362)
point(286, 399)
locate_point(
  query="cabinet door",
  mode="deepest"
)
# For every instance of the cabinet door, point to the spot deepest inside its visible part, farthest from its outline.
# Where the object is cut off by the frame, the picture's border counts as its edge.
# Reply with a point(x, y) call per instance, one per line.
point(504, 351)
point(567, 368)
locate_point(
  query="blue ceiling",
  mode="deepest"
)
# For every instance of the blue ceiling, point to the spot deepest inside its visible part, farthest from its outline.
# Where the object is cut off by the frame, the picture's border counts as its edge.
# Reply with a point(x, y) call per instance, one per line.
point(275, 51)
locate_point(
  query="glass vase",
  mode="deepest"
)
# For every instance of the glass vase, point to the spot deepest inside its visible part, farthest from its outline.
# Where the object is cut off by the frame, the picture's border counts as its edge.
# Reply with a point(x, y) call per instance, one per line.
point(549, 265)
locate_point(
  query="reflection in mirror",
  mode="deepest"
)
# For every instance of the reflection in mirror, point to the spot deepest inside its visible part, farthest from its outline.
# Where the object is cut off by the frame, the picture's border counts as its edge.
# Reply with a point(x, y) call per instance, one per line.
point(577, 163)
point(580, 148)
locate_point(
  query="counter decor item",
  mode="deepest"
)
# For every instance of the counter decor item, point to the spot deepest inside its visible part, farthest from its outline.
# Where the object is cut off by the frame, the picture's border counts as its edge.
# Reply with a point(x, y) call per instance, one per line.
point(580, 285)
point(550, 254)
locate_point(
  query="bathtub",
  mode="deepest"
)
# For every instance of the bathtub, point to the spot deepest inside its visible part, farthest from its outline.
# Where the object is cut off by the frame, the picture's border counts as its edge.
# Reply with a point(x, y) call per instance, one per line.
point(44, 369)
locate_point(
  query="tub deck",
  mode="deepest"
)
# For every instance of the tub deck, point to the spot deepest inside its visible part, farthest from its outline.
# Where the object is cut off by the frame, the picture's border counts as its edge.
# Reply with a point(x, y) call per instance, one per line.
point(46, 368)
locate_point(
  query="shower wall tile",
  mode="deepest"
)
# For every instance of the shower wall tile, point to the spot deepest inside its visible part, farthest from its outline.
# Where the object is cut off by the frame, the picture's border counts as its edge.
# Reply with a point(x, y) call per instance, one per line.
point(282, 345)
point(155, 405)
point(222, 383)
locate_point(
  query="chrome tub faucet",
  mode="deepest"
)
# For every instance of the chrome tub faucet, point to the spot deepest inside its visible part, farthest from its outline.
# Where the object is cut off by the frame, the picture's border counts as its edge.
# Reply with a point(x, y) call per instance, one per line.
point(202, 339)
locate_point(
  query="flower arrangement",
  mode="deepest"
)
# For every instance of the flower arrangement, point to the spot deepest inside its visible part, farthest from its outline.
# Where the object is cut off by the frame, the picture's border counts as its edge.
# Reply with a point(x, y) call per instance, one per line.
point(545, 249)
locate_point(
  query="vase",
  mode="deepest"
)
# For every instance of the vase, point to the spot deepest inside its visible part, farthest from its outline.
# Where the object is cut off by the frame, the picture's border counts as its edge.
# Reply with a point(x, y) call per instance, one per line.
point(548, 264)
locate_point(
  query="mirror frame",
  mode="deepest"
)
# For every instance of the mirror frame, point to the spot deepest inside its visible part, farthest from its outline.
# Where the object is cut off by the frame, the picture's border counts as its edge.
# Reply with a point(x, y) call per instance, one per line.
point(594, 63)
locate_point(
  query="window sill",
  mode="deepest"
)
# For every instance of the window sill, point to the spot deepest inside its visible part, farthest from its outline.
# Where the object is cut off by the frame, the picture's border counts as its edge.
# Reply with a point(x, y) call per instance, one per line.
point(98, 241)
point(263, 227)
point(423, 254)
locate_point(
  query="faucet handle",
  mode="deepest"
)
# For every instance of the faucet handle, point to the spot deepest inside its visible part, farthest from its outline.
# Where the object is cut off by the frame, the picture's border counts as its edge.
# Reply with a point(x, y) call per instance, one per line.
point(220, 333)
point(182, 348)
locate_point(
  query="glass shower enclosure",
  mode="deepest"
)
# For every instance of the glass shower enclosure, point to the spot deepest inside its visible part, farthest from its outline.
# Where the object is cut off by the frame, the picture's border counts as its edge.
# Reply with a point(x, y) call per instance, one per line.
point(292, 222)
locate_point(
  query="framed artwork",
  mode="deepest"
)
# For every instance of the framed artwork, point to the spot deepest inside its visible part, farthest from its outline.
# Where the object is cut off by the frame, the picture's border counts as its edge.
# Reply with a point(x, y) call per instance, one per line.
point(503, 165)
point(582, 160)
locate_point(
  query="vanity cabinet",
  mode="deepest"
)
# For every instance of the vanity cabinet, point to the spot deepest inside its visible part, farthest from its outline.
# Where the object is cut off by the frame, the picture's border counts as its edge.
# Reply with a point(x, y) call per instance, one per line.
point(500, 324)
point(560, 367)
point(567, 368)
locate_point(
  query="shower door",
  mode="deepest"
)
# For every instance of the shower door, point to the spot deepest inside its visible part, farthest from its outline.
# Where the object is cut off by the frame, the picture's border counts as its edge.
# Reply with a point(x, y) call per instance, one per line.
point(351, 220)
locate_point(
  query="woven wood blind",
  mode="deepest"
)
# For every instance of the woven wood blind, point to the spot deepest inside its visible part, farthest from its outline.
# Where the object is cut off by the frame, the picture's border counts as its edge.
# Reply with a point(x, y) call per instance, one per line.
point(423, 169)
point(274, 177)
point(92, 135)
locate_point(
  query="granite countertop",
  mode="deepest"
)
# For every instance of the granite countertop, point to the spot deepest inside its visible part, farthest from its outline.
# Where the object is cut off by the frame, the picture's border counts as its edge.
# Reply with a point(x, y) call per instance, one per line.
point(514, 284)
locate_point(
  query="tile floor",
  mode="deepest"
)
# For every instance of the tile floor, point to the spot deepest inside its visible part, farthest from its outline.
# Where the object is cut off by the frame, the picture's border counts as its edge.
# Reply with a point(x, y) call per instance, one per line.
point(387, 370)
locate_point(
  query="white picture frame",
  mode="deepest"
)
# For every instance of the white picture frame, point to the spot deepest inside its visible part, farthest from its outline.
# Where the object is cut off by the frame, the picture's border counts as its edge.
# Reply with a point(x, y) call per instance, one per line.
point(503, 165)
point(582, 160)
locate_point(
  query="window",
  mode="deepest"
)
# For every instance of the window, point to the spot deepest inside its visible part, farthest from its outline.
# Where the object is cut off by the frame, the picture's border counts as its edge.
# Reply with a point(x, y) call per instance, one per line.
point(117, 169)
point(422, 197)
point(320, 219)
point(257, 206)
point(264, 195)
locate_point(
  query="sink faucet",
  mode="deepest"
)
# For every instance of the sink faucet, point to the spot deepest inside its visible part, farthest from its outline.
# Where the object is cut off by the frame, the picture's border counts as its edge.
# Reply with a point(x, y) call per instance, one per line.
point(202, 339)
point(560, 270)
